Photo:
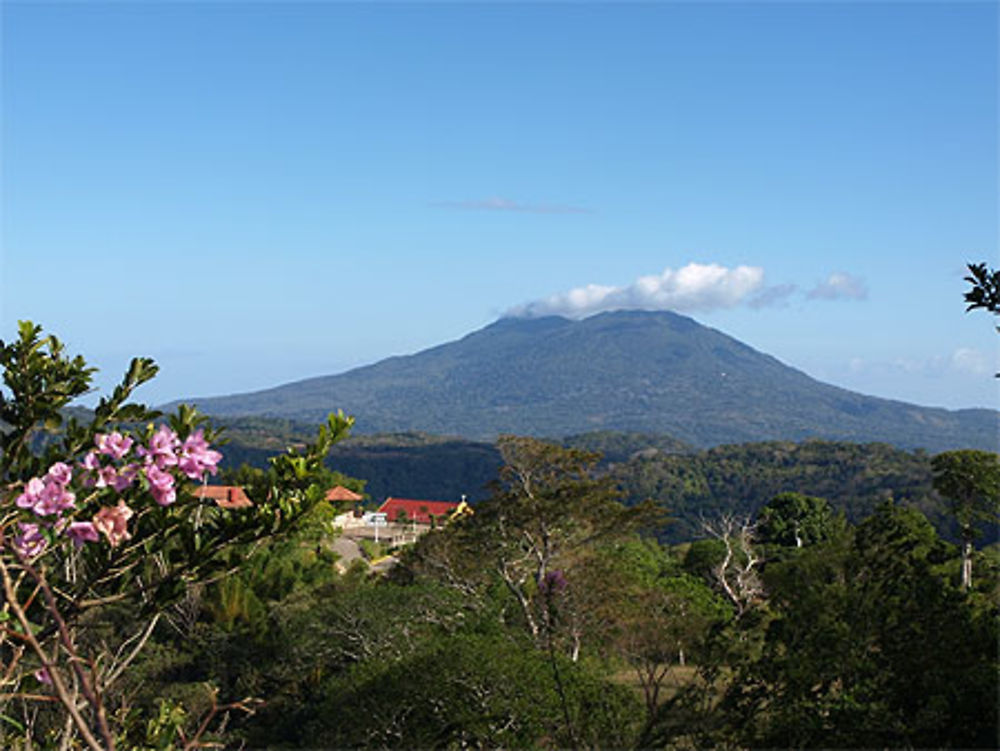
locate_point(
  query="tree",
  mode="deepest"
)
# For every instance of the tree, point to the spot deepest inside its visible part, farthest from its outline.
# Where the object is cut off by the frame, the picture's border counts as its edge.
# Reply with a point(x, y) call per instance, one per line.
point(868, 645)
point(796, 520)
point(970, 481)
point(985, 292)
point(470, 690)
point(546, 510)
point(737, 574)
point(100, 532)
point(656, 626)
point(527, 548)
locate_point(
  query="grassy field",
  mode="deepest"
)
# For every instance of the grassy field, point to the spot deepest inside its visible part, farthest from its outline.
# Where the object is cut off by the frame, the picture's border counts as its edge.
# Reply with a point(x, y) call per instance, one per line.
point(678, 676)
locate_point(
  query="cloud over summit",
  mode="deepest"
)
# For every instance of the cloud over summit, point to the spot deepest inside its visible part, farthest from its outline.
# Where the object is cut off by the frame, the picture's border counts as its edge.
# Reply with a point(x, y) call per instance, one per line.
point(695, 287)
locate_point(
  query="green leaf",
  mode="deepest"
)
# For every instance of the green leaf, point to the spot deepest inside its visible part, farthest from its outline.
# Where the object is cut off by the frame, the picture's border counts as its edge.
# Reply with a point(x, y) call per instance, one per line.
point(12, 722)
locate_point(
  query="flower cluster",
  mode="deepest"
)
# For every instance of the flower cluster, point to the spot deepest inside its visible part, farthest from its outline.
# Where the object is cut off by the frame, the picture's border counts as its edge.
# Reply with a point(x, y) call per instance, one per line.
point(48, 496)
point(554, 583)
point(111, 464)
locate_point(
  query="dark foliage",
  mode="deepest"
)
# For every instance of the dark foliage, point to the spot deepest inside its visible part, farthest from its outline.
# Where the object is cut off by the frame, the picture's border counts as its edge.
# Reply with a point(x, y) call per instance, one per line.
point(985, 292)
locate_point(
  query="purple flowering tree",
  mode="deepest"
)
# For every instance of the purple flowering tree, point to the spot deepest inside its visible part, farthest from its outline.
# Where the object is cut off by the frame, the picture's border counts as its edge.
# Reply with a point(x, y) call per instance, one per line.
point(102, 514)
point(549, 508)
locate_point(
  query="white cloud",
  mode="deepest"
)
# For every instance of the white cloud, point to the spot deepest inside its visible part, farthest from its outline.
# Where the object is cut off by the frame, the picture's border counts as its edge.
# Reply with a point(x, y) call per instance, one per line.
point(964, 361)
point(776, 295)
point(505, 204)
point(840, 286)
point(695, 287)
point(971, 361)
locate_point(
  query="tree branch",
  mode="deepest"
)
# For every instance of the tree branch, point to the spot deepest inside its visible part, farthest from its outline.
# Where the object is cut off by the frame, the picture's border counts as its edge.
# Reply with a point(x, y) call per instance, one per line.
point(49, 664)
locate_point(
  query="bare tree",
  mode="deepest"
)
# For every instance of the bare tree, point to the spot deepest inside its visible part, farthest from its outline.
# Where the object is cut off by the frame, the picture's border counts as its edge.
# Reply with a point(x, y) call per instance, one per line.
point(736, 574)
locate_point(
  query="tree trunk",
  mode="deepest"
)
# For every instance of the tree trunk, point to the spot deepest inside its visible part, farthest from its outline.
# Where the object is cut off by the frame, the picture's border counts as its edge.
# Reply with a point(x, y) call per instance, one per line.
point(966, 564)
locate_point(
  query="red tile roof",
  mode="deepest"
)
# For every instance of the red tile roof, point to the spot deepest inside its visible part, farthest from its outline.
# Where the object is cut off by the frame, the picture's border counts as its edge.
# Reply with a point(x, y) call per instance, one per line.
point(225, 496)
point(418, 511)
point(340, 493)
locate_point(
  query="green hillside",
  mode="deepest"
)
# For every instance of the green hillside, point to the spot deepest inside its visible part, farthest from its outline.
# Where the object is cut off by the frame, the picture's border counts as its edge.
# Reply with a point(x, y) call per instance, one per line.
point(689, 483)
point(853, 477)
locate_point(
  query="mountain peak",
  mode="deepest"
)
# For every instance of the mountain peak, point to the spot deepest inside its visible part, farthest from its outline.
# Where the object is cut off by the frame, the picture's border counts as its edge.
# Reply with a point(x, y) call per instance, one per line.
point(622, 314)
point(626, 370)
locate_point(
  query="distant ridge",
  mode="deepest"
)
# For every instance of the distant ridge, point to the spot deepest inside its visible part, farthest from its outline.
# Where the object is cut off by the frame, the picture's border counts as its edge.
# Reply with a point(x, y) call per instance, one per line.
point(655, 372)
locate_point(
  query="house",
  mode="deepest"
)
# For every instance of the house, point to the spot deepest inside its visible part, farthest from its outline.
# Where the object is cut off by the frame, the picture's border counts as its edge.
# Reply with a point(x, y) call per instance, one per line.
point(225, 496)
point(340, 494)
point(421, 512)
point(348, 519)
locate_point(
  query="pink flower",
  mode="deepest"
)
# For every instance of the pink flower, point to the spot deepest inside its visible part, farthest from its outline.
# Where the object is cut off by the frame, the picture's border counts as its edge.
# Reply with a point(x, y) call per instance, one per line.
point(60, 473)
point(42, 676)
point(89, 465)
point(45, 498)
point(114, 445)
point(33, 491)
point(54, 500)
point(161, 485)
point(81, 532)
point(31, 541)
point(197, 458)
point(125, 477)
point(106, 477)
point(112, 522)
point(162, 445)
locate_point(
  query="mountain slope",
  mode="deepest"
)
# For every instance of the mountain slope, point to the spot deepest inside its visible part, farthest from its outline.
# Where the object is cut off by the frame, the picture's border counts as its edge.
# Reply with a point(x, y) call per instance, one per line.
point(627, 371)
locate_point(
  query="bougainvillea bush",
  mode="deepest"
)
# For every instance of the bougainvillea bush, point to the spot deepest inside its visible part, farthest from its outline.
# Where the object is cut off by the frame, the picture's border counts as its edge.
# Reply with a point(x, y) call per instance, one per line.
point(99, 516)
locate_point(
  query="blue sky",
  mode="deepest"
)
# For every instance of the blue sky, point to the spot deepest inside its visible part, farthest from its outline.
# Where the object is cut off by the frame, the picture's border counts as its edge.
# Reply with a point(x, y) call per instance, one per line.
point(255, 193)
